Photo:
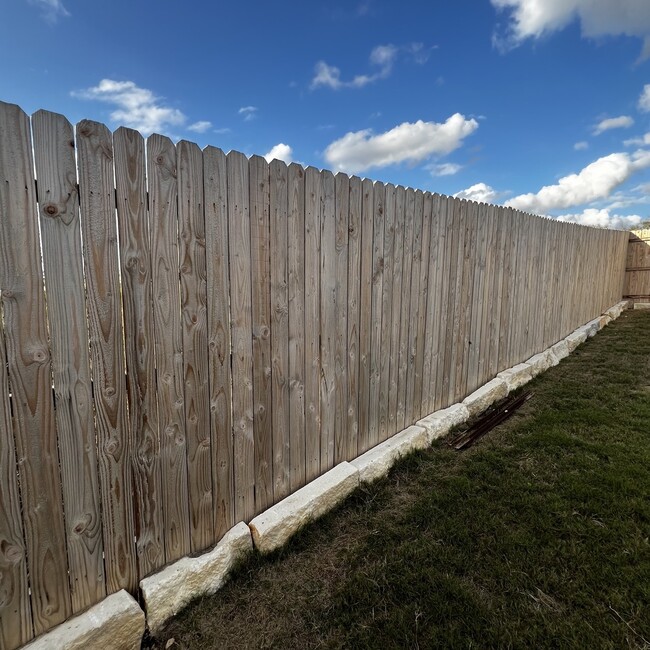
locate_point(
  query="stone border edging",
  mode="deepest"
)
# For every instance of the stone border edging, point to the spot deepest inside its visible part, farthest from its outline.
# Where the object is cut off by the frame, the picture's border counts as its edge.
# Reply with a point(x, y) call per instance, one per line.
point(115, 623)
point(118, 623)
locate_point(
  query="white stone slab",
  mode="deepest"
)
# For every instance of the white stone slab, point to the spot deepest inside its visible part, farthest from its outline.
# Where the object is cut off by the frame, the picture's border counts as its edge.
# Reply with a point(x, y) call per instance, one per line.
point(540, 362)
point(275, 526)
point(593, 327)
point(439, 423)
point(560, 350)
point(604, 321)
point(642, 305)
point(376, 462)
point(485, 396)
point(516, 376)
point(575, 339)
point(165, 593)
point(116, 623)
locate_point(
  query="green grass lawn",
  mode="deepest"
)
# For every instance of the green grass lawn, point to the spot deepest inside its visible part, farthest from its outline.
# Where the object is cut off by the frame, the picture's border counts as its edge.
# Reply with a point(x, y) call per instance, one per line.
point(538, 536)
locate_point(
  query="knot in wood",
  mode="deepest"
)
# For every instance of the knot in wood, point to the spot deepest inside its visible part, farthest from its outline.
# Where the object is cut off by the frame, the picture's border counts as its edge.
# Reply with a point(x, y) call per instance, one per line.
point(50, 210)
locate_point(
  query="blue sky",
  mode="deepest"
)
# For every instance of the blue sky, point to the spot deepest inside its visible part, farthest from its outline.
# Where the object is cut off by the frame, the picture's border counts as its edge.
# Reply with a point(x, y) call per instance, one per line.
point(539, 104)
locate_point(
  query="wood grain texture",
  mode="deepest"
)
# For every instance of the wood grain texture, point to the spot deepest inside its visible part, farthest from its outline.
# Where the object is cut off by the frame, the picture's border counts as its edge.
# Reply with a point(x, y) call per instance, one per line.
point(163, 223)
point(97, 197)
point(192, 271)
point(259, 178)
point(137, 301)
point(296, 296)
point(354, 316)
point(342, 216)
point(328, 325)
point(279, 256)
point(410, 405)
point(376, 305)
point(239, 241)
point(386, 312)
point(28, 366)
point(417, 410)
point(396, 309)
point(215, 198)
point(54, 157)
point(313, 207)
point(407, 199)
point(365, 313)
point(15, 607)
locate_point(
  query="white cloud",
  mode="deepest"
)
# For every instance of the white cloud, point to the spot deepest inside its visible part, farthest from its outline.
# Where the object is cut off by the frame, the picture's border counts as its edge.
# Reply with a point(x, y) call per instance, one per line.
point(222, 130)
point(51, 10)
point(537, 18)
point(622, 122)
point(419, 52)
point(329, 76)
point(581, 146)
point(200, 127)
point(137, 107)
point(409, 142)
point(595, 181)
point(249, 112)
point(280, 151)
point(602, 219)
point(445, 169)
point(644, 99)
point(636, 142)
point(480, 192)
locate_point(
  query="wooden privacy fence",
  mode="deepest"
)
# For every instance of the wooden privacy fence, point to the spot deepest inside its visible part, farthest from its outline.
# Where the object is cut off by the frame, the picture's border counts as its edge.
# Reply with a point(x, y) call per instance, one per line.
point(637, 272)
point(188, 337)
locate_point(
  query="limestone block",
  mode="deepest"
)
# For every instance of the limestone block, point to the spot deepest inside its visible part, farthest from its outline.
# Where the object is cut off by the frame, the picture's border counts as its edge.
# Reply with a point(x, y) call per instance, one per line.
point(376, 462)
point(485, 396)
point(575, 339)
point(516, 376)
point(604, 321)
point(560, 350)
point(275, 526)
point(116, 623)
point(439, 423)
point(642, 305)
point(540, 362)
point(165, 593)
point(593, 327)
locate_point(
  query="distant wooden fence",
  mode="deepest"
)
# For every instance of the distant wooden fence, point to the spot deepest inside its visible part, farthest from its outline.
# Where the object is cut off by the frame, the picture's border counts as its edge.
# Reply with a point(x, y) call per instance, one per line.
point(213, 332)
point(637, 272)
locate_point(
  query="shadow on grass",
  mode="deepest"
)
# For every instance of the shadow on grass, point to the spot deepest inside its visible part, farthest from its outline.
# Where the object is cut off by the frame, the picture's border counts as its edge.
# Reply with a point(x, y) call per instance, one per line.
point(535, 537)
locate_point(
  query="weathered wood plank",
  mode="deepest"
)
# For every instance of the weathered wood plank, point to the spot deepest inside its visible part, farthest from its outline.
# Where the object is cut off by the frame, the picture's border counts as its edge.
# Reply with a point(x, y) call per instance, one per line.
point(414, 309)
point(259, 179)
point(296, 290)
point(15, 607)
point(215, 198)
point(376, 311)
point(192, 271)
point(418, 368)
point(386, 312)
point(139, 339)
point(63, 269)
point(328, 325)
point(279, 256)
point(354, 316)
point(163, 225)
point(365, 313)
point(341, 319)
point(397, 201)
point(313, 207)
point(239, 240)
point(405, 198)
point(97, 197)
point(28, 365)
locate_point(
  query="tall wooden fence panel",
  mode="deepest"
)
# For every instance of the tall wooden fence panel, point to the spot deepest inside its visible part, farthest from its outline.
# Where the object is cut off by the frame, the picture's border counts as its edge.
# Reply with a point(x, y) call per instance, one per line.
point(637, 271)
point(187, 337)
